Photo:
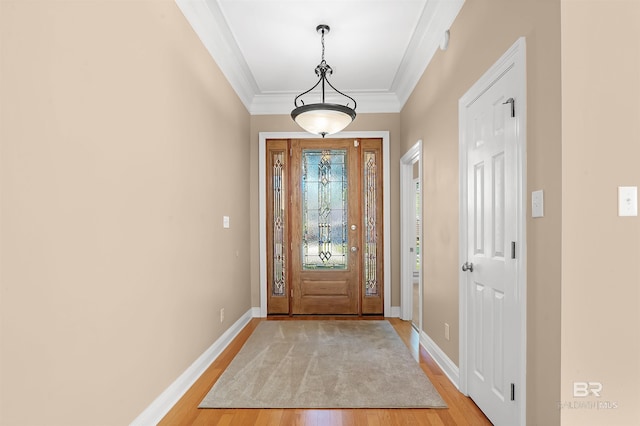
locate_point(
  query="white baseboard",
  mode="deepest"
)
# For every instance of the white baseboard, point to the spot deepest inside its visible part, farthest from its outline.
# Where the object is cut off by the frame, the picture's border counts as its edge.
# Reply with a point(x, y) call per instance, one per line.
point(167, 399)
point(444, 362)
point(255, 312)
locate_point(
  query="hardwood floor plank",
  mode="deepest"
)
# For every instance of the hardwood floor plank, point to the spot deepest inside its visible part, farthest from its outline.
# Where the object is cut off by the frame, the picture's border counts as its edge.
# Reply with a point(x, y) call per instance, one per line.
point(269, 417)
point(298, 417)
point(373, 418)
point(359, 417)
point(391, 418)
point(420, 417)
point(330, 417)
point(461, 409)
point(225, 420)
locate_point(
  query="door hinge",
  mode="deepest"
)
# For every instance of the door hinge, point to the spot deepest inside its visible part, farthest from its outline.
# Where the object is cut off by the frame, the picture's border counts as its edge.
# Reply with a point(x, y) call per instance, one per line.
point(290, 152)
point(513, 249)
point(291, 292)
point(513, 106)
point(513, 391)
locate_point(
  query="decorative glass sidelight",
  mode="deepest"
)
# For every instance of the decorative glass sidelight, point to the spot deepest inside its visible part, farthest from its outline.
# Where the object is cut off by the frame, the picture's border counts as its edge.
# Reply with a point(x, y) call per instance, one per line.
point(324, 209)
point(370, 224)
point(279, 203)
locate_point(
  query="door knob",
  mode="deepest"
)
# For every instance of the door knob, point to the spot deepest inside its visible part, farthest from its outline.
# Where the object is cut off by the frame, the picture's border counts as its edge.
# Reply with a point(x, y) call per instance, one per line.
point(354, 249)
point(468, 266)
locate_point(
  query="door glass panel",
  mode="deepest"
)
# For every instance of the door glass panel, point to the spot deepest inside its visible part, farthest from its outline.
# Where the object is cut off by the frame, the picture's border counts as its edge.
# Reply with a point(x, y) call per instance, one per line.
point(324, 209)
point(370, 224)
point(278, 225)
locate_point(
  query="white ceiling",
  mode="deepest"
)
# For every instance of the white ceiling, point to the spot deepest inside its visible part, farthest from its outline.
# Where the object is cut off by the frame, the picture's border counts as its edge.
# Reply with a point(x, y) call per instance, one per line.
point(268, 49)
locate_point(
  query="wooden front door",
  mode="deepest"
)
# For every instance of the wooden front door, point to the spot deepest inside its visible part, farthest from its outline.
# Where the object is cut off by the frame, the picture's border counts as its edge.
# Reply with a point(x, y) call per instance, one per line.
point(324, 226)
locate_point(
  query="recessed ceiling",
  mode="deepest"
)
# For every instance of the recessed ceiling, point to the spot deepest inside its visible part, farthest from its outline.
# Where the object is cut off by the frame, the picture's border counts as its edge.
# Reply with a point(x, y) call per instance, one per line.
point(268, 49)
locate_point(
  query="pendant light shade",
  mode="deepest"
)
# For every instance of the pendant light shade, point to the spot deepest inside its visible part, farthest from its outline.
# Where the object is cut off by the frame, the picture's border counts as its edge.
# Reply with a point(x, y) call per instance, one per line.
point(323, 118)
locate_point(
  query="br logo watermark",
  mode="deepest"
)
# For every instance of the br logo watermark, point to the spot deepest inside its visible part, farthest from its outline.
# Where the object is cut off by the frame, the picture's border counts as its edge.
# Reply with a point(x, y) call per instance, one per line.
point(582, 390)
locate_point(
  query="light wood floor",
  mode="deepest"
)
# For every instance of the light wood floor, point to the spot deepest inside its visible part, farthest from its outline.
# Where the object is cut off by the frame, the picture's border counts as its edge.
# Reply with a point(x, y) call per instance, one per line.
point(461, 411)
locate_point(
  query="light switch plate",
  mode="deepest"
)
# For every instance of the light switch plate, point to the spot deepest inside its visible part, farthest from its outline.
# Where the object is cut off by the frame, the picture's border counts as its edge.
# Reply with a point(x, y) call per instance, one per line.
point(537, 204)
point(627, 201)
point(225, 221)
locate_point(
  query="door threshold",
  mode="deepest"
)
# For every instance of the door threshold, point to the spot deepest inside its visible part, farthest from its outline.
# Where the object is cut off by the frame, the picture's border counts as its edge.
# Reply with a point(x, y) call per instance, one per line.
point(285, 317)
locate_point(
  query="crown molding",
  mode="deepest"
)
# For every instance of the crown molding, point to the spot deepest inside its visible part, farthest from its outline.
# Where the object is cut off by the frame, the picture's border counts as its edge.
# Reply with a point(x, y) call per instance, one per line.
point(208, 22)
point(437, 17)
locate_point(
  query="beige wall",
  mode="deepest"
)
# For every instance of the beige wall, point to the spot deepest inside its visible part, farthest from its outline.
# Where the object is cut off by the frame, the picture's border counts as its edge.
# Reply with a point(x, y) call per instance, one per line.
point(363, 122)
point(600, 251)
point(122, 146)
point(483, 31)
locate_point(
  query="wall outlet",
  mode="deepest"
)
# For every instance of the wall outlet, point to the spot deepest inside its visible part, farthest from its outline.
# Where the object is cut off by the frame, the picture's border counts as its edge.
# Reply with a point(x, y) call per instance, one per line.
point(446, 331)
point(222, 315)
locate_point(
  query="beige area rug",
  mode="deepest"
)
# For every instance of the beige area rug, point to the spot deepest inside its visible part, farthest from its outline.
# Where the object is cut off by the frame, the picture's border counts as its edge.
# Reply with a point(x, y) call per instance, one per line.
point(323, 364)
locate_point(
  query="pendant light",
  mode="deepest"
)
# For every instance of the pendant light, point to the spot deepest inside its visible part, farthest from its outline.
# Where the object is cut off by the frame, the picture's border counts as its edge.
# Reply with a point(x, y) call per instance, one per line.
point(323, 118)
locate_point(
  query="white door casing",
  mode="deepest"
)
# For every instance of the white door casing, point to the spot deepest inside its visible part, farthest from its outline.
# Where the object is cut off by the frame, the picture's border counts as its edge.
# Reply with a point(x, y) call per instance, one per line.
point(492, 240)
point(416, 229)
point(408, 231)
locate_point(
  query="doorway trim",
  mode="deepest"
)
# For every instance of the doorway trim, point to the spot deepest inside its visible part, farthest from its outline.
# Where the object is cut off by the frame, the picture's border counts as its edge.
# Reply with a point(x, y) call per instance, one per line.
point(386, 200)
point(407, 221)
point(514, 58)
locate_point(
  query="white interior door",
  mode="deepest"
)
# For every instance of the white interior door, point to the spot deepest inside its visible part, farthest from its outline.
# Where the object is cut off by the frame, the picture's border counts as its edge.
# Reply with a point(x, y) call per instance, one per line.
point(492, 252)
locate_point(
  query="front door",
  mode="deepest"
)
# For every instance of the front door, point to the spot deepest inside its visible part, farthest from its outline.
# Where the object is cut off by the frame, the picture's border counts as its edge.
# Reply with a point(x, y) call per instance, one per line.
point(325, 226)
point(325, 210)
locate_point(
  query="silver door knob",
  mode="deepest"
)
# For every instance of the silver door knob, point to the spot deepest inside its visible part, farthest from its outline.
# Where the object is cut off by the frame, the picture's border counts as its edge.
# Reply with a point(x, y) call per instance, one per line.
point(468, 266)
point(354, 249)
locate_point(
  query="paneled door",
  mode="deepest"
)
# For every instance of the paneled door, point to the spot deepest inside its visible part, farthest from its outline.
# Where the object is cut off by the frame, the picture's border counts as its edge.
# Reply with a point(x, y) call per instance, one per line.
point(325, 230)
point(493, 247)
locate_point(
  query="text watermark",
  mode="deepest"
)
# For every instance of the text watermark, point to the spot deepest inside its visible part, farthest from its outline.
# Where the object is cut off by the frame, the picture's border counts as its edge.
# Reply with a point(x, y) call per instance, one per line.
point(582, 390)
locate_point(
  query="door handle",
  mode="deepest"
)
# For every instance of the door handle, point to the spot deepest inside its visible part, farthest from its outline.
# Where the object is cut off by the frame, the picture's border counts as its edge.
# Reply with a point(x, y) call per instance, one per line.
point(354, 249)
point(468, 266)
